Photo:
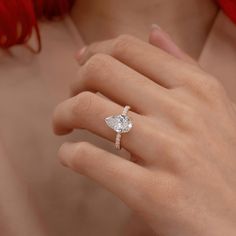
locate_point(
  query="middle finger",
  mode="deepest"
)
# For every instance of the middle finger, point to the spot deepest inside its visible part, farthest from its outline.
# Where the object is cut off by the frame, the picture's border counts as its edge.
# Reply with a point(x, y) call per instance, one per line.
point(104, 74)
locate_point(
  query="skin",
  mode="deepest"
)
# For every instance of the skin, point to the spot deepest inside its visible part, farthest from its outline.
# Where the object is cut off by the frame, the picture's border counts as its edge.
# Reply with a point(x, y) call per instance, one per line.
point(15, 194)
point(182, 181)
point(186, 24)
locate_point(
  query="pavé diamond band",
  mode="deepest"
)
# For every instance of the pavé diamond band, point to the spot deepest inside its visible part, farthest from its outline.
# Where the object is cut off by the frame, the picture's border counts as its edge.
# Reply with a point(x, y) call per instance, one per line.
point(121, 124)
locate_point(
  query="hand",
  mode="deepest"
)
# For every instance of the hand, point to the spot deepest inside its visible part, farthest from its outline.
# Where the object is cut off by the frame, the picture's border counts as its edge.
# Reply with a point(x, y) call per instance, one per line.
point(184, 137)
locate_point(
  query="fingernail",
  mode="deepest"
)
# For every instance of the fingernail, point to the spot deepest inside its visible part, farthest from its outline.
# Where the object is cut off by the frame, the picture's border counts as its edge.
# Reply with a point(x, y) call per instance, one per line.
point(80, 53)
point(66, 154)
point(155, 27)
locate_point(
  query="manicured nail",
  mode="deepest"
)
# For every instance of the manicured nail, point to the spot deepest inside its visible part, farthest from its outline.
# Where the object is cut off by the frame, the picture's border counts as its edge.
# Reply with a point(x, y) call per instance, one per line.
point(80, 53)
point(155, 26)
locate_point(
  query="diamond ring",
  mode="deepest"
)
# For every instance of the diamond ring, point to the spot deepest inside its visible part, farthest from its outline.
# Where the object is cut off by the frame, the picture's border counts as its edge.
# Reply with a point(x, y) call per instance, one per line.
point(121, 124)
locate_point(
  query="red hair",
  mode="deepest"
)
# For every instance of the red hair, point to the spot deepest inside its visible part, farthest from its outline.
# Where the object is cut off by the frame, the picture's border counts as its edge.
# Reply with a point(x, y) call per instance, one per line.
point(18, 18)
point(229, 7)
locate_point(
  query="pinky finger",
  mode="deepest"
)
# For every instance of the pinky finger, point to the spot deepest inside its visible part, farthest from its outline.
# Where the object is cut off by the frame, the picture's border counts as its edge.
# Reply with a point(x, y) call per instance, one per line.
point(120, 176)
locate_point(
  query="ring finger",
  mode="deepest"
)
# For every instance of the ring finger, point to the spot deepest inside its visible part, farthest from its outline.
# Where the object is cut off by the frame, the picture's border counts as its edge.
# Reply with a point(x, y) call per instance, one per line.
point(88, 110)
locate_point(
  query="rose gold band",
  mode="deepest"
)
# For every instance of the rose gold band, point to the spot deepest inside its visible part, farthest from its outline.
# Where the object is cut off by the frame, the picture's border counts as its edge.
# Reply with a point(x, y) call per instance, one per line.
point(118, 135)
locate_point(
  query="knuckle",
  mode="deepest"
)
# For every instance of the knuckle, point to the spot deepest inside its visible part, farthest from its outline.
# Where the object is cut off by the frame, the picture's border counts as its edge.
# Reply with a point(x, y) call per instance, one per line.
point(191, 119)
point(121, 44)
point(175, 149)
point(162, 142)
point(95, 64)
point(214, 86)
point(212, 89)
point(82, 104)
point(95, 68)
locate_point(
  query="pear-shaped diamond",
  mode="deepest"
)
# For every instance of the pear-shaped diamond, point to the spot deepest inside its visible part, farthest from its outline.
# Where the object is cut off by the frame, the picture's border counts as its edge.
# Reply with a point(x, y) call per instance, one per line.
point(119, 123)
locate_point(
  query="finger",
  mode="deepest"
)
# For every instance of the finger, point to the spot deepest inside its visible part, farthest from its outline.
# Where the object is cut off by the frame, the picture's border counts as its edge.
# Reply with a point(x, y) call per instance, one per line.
point(104, 74)
point(122, 177)
point(88, 111)
point(154, 63)
point(161, 39)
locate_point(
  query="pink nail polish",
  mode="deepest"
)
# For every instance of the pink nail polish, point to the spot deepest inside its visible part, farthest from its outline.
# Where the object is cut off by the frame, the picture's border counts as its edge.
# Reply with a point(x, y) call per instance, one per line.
point(80, 53)
point(155, 26)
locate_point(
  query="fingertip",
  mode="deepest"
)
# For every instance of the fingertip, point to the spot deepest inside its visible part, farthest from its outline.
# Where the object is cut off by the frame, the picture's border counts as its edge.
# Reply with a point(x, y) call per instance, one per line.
point(157, 34)
point(81, 52)
point(57, 127)
point(66, 153)
point(155, 27)
point(80, 55)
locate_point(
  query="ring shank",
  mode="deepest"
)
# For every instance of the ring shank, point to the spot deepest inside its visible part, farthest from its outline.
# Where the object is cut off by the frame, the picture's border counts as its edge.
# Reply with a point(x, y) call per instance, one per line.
point(118, 135)
point(118, 138)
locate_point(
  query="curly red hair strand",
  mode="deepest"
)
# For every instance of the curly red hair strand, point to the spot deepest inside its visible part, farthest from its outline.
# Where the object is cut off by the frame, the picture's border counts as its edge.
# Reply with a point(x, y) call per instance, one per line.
point(18, 18)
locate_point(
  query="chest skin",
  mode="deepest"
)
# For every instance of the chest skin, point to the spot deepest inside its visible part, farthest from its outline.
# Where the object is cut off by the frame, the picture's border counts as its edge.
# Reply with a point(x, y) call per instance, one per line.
point(30, 88)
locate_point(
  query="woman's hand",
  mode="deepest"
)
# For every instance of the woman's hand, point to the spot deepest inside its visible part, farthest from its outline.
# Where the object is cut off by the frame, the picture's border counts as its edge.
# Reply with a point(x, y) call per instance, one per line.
point(183, 180)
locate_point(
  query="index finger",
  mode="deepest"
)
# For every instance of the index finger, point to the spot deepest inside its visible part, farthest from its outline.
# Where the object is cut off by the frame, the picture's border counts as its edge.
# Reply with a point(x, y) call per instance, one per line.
point(156, 64)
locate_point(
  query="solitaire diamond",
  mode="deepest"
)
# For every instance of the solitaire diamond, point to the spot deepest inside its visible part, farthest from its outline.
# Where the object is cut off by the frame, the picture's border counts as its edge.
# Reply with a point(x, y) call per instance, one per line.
point(119, 123)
